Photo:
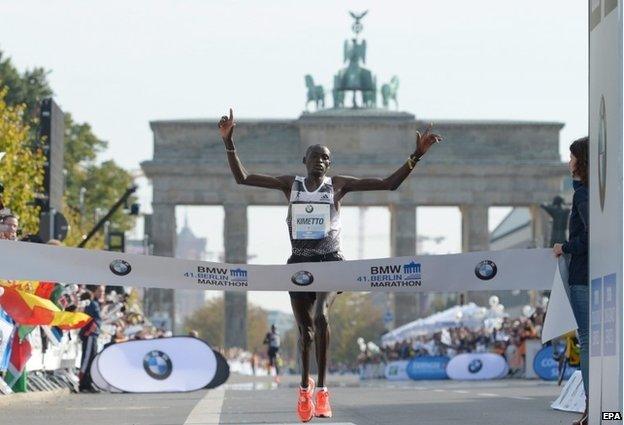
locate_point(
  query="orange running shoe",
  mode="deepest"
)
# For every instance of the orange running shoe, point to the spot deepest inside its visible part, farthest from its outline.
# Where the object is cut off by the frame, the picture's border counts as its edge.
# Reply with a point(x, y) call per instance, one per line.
point(305, 404)
point(322, 409)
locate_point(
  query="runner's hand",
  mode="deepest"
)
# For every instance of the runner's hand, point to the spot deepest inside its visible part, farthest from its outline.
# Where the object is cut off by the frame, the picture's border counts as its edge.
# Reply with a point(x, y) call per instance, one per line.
point(226, 126)
point(426, 140)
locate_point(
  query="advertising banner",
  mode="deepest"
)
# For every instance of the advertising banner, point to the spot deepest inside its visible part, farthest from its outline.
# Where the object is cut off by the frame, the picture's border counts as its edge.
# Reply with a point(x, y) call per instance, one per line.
point(547, 368)
point(605, 205)
point(428, 368)
point(473, 271)
point(156, 365)
point(397, 370)
point(477, 366)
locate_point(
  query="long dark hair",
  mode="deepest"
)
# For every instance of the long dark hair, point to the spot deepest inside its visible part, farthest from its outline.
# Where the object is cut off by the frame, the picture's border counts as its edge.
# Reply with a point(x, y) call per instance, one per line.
point(580, 150)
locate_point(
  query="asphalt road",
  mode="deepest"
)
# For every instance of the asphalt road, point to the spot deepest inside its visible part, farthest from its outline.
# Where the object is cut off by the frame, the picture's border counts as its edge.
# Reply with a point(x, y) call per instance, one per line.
point(261, 402)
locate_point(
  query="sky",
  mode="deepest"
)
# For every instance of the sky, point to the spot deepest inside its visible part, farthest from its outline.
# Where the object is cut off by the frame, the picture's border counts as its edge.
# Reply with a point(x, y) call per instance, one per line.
point(119, 65)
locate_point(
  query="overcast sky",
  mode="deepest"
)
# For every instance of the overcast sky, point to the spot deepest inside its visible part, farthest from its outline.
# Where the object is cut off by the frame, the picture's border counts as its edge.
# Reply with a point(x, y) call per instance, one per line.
point(120, 64)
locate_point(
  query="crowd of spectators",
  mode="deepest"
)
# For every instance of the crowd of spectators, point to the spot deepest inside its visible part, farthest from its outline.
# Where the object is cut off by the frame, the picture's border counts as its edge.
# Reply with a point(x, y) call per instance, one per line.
point(508, 340)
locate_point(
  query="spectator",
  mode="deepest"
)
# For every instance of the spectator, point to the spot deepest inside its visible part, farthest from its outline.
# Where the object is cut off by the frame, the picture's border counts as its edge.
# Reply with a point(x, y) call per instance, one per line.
point(8, 227)
point(88, 336)
point(577, 247)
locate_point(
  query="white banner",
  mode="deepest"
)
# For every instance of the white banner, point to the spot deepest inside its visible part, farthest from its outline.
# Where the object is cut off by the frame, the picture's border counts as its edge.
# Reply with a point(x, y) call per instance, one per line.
point(157, 365)
point(473, 271)
point(477, 366)
point(572, 397)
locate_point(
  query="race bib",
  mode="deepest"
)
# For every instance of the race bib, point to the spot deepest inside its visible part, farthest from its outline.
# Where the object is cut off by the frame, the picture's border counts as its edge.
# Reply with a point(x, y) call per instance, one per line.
point(310, 221)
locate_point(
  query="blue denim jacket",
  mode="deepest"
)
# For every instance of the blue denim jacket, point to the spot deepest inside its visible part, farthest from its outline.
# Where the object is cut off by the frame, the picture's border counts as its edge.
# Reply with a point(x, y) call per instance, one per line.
point(577, 244)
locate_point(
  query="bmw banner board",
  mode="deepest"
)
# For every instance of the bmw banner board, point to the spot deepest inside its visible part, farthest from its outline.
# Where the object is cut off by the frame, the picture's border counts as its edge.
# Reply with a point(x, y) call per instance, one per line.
point(477, 366)
point(175, 364)
point(223, 371)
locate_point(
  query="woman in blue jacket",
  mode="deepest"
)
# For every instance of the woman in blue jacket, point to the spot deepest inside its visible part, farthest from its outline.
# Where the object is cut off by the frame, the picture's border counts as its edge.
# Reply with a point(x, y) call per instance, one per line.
point(577, 247)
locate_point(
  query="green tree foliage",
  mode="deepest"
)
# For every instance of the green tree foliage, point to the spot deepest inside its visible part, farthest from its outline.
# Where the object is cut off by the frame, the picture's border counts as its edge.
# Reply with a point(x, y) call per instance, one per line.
point(104, 183)
point(21, 169)
point(210, 323)
point(27, 88)
point(351, 316)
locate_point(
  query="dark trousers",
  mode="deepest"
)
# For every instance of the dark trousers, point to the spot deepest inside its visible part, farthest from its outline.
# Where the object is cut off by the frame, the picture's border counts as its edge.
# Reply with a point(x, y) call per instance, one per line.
point(89, 351)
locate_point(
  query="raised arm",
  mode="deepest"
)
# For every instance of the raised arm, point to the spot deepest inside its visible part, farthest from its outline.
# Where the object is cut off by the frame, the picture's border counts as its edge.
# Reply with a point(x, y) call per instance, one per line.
point(226, 128)
point(392, 182)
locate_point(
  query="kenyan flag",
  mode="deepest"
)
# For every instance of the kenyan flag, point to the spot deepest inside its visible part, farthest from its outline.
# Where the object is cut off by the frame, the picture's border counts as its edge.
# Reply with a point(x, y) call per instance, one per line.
point(20, 353)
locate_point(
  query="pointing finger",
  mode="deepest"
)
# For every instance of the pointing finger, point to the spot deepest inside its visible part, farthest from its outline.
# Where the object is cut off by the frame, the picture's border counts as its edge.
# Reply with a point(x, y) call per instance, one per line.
point(231, 114)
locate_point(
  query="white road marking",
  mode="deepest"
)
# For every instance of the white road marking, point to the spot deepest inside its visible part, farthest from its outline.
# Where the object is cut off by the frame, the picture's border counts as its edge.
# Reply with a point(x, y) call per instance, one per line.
point(487, 395)
point(520, 398)
point(208, 409)
point(460, 391)
point(119, 408)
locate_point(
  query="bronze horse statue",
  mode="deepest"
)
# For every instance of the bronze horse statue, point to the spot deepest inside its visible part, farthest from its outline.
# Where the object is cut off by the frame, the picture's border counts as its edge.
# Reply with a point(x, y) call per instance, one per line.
point(316, 93)
point(389, 92)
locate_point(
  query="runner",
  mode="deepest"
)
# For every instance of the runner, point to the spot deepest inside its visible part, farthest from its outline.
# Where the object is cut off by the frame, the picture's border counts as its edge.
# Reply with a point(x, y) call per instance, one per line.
point(272, 340)
point(314, 228)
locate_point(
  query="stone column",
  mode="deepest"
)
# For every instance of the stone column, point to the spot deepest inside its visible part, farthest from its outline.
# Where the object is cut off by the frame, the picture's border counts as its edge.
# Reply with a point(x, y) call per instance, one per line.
point(538, 226)
point(475, 232)
point(235, 244)
point(160, 303)
point(403, 243)
point(538, 223)
point(475, 237)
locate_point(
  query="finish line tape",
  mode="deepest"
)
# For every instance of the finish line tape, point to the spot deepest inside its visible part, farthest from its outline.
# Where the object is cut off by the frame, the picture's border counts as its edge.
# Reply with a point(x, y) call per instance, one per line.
point(474, 271)
point(522, 269)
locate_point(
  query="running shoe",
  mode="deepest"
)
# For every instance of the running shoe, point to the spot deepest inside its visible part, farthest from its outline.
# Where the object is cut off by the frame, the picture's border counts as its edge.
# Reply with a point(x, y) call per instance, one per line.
point(322, 409)
point(305, 404)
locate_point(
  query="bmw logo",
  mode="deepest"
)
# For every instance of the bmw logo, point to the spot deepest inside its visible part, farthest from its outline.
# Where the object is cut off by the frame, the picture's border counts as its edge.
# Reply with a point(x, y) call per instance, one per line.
point(120, 267)
point(475, 366)
point(486, 270)
point(302, 278)
point(309, 208)
point(602, 154)
point(157, 365)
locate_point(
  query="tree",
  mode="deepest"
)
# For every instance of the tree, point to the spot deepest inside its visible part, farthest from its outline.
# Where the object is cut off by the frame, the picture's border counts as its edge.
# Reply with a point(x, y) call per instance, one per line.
point(352, 316)
point(21, 169)
point(104, 183)
point(209, 322)
point(27, 88)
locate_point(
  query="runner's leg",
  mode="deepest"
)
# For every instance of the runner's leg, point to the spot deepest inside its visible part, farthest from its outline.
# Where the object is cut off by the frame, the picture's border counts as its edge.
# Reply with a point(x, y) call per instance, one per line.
point(324, 300)
point(302, 309)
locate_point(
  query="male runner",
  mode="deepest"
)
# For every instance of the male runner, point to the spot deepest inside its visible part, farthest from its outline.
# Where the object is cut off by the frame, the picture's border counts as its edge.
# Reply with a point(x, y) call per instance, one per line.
point(272, 340)
point(320, 241)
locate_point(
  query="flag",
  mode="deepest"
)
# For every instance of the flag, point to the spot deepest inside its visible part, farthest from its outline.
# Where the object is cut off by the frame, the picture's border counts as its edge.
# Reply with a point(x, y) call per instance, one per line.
point(6, 332)
point(29, 309)
point(20, 353)
point(54, 334)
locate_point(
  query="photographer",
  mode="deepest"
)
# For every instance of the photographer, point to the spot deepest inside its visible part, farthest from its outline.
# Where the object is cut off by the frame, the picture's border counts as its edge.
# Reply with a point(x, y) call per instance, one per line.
point(8, 227)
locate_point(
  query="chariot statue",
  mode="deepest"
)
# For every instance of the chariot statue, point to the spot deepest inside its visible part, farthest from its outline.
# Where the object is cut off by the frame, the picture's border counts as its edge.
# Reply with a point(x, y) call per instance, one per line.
point(354, 77)
point(354, 82)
